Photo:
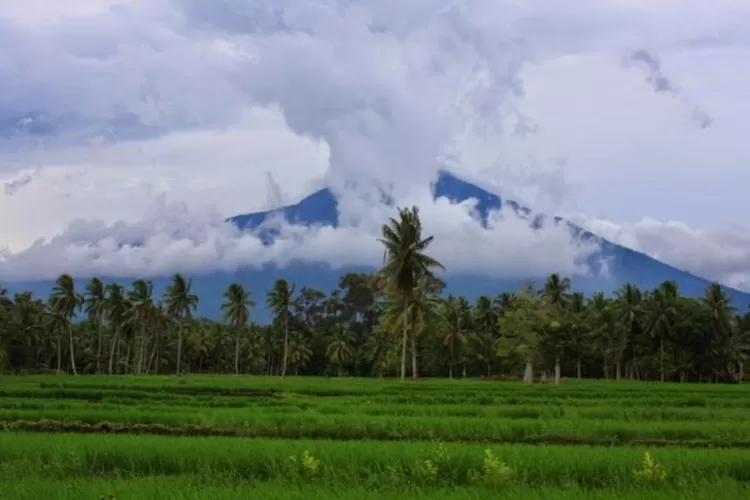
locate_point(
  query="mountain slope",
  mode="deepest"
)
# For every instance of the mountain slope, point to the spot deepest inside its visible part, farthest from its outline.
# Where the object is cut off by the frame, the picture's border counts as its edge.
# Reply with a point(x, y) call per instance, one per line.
point(321, 208)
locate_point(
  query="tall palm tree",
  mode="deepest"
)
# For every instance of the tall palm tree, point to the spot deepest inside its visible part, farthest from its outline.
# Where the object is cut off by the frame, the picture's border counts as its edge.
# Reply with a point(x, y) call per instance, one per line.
point(95, 307)
point(65, 302)
point(660, 315)
point(180, 304)
point(141, 298)
point(340, 349)
point(406, 263)
point(236, 310)
point(423, 313)
point(556, 290)
point(453, 331)
point(117, 313)
point(557, 297)
point(279, 300)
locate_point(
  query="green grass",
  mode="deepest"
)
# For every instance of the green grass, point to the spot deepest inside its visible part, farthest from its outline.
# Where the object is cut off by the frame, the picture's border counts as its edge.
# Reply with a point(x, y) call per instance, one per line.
point(371, 462)
point(372, 438)
point(189, 488)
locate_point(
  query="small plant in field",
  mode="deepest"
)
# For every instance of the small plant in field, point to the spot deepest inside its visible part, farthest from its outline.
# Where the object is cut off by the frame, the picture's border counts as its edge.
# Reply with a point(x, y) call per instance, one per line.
point(438, 464)
point(650, 471)
point(307, 465)
point(427, 470)
point(495, 472)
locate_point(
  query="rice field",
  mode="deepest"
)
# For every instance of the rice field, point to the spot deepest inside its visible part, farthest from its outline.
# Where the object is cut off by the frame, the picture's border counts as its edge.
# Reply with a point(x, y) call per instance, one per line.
point(228, 437)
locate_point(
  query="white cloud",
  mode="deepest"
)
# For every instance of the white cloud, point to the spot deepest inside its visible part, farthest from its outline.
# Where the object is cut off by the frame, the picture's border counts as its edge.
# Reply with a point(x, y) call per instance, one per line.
point(171, 238)
point(106, 105)
point(722, 255)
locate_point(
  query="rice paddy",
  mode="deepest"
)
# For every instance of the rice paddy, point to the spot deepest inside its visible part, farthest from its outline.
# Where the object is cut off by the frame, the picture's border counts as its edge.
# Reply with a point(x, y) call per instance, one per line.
point(227, 437)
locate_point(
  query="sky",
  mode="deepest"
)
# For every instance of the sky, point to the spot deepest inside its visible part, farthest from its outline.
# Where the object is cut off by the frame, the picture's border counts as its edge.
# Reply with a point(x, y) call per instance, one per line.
point(130, 129)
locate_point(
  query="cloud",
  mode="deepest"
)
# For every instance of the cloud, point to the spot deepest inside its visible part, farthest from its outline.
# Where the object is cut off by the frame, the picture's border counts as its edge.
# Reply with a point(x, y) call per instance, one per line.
point(12, 187)
point(722, 255)
point(118, 103)
point(170, 237)
point(661, 83)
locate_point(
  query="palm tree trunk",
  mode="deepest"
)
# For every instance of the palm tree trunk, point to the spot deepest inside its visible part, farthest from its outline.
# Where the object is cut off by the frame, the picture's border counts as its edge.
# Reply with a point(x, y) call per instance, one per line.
point(661, 357)
point(286, 345)
point(528, 374)
point(59, 352)
point(72, 351)
point(741, 372)
point(578, 368)
point(557, 370)
point(179, 348)
point(450, 364)
point(404, 340)
point(112, 349)
point(142, 353)
point(128, 350)
point(152, 357)
point(414, 373)
point(237, 352)
point(98, 346)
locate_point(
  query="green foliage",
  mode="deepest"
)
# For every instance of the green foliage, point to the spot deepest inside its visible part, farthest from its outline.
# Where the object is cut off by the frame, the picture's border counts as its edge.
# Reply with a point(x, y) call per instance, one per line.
point(307, 466)
point(494, 473)
point(650, 471)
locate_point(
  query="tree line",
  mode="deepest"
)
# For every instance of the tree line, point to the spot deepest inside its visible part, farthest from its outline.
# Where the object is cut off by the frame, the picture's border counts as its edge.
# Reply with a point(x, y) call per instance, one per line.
point(393, 322)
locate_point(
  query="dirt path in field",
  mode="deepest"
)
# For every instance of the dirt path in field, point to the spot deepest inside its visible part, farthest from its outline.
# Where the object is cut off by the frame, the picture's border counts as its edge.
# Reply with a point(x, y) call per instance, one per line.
point(52, 426)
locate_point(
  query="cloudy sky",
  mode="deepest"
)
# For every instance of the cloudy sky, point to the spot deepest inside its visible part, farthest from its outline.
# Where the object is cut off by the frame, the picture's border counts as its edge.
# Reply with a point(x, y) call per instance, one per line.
point(148, 121)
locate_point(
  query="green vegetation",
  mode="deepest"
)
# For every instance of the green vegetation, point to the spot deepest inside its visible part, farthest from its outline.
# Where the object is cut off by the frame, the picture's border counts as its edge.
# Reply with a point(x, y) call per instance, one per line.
point(146, 436)
point(117, 428)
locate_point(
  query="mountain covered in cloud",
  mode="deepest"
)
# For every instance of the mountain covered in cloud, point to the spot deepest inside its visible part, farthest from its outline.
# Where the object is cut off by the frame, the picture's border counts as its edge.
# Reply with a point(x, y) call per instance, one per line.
point(606, 269)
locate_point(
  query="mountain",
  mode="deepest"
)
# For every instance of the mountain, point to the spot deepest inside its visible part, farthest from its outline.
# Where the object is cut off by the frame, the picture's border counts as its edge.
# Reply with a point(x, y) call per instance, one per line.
point(321, 208)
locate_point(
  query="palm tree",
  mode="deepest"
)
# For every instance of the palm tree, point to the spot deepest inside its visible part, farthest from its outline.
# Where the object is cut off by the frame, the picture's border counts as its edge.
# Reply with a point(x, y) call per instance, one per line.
point(556, 290)
point(423, 312)
point(577, 323)
point(279, 300)
point(180, 304)
point(236, 310)
point(95, 307)
point(519, 330)
point(340, 350)
point(406, 263)
point(660, 315)
point(453, 329)
point(65, 302)
point(142, 309)
point(556, 294)
point(379, 350)
point(117, 312)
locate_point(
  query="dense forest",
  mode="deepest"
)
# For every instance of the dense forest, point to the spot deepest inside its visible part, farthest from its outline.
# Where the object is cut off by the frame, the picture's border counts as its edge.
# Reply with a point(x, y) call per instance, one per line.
point(394, 322)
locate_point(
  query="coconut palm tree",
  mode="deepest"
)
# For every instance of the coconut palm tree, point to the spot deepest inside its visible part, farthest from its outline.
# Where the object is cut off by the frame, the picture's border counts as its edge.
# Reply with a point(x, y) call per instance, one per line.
point(423, 314)
point(279, 300)
point(556, 291)
point(180, 304)
point(117, 313)
point(660, 314)
point(95, 307)
point(236, 309)
point(141, 299)
point(340, 350)
point(65, 302)
point(453, 330)
point(406, 263)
